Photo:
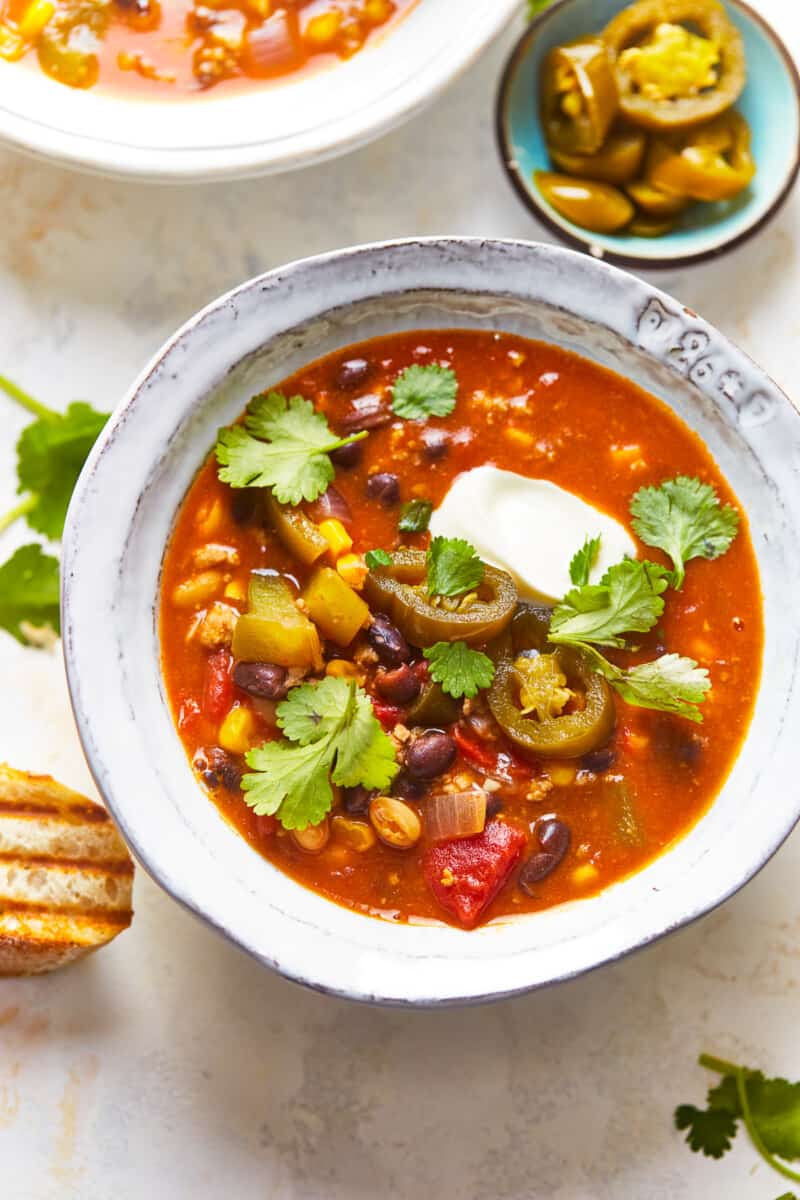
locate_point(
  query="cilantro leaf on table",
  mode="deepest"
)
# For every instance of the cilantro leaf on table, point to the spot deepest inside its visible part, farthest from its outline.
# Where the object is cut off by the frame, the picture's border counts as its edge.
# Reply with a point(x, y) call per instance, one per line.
point(51, 452)
point(332, 735)
point(671, 683)
point(459, 669)
point(769, 1108)
point(50, 456)
point(378, 558)
point(29, 594)
point(283, 444)
point(684, 518)
point(709, 1130)
point(583, 560)
point(627, 600)
point(453, 567)
point(415, 516)
point(424, 391)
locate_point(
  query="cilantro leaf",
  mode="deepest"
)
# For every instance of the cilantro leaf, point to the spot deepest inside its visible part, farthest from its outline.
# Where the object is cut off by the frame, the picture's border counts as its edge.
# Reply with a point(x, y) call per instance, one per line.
point(283, 444)
point(453, 567)
point(332, 733)
point(710, 1130)
point(684, 518)
point(420, 392)
point(459, 669)
point(29, 594)
point(50, 456)
point(415, 516)
point(671, 683)
point(378, 558)
point(583, 560)
point(627, 600)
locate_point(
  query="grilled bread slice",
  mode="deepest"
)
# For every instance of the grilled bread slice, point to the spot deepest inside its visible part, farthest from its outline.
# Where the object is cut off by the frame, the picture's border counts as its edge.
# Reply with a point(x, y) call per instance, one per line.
point(65, 875)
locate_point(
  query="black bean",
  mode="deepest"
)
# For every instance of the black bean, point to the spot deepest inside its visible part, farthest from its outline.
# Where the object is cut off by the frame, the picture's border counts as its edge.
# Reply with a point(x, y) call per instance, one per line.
point(348, 456)
point(407, 788)
point(352, 373)
point(244, 504)
point(384, 487)
point(494, 805)
point(537, 868)
point(554, 837)
point(367, 412)
point(389, 642)
point(265, 680)
point(681, 745)
point(356, 800)
point(222, 770)
point(430, 755)
point(399, 686)
point(599, 760)
point(435, 444)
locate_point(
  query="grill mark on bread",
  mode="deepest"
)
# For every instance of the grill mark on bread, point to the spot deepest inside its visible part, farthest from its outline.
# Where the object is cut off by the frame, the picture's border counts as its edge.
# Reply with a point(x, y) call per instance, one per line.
point(118, 866)
point(119, 918)
point(77, 813)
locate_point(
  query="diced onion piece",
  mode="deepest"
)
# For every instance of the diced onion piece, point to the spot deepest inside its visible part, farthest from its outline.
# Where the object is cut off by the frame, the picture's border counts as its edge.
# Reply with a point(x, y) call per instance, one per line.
point(456, 814)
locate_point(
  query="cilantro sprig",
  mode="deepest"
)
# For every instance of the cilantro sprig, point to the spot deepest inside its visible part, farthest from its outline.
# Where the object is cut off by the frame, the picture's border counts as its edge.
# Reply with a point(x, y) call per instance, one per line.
point(51, 452)
point(332, 735)
point(453, 567)
point(415, 516)
point(768, 1108)
point(284, 445)
point(684, 518)
point(424, 391)
point(378, 558)
point(583, 560)
point(29, 594)
point(459, 669)
point(628, 599)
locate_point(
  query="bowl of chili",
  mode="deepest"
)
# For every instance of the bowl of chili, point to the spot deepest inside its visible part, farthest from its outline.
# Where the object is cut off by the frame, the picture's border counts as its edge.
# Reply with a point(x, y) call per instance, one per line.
point(668, 180)
point(179, 91)
point(414, 886)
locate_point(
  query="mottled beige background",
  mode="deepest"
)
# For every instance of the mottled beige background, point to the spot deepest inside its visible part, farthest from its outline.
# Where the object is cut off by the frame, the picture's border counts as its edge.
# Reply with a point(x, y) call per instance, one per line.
point(171, 1066)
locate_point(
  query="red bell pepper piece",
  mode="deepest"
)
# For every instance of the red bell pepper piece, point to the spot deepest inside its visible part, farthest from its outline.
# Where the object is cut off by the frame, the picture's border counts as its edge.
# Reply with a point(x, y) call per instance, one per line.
point(218, 686)
point(465, 874)
point(387, 714)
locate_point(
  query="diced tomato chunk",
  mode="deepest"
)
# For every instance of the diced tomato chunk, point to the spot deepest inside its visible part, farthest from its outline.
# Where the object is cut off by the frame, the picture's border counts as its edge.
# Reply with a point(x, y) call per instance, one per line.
point(495, 758)
point(218, 686)
point(387, 714)
point(465, 874)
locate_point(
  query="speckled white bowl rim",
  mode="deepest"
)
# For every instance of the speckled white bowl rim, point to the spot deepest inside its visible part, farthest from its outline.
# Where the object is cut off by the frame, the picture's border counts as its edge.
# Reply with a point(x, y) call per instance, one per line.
point(224, 136)
point(123, 509)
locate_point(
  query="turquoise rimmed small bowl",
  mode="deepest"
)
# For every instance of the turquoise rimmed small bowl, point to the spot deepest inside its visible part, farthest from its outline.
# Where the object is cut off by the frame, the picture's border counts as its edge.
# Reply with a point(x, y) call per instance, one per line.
point(770, 102)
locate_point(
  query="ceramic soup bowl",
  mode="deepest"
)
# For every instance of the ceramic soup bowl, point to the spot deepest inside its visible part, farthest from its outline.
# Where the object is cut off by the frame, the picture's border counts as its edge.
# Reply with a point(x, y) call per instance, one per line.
point(122, 515)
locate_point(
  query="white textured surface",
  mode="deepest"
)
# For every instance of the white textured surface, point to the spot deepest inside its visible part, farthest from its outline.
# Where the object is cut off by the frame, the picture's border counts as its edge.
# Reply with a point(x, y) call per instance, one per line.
point(172, 1066)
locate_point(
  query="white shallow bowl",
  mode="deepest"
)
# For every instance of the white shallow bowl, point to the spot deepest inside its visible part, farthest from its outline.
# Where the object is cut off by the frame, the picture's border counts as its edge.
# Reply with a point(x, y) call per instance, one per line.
point(122, 515)
point(263, 129)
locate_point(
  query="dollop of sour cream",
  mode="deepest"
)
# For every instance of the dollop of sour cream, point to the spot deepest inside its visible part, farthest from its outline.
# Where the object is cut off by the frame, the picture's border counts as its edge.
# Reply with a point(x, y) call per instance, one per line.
point(530, 528)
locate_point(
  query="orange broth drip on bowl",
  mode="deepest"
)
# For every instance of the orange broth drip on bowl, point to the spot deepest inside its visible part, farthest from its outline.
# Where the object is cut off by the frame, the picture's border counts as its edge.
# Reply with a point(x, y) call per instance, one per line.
point(545, 413)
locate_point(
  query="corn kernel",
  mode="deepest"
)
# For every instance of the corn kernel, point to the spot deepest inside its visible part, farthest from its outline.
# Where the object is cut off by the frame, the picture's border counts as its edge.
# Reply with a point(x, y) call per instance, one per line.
point(337, 537)
point(353, 570)
point(585, 874)
point(628, 456)
point(12, 45)
point(340, 668)
point(572, 105)
point(702, 649)
point(235, 591)
point(209, 519)
point(518, 436)
point(322, 29)
point(357, 835)
point(197, 590)
point(236, 730)
point(516, 358)
point(34, 18)
point(638, 742)
point(561, 774)
point(378, 11)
